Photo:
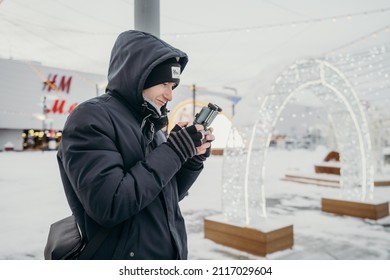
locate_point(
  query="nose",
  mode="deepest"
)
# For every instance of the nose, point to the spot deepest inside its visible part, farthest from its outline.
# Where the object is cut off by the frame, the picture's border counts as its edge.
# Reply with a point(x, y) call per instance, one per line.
point(168, 94)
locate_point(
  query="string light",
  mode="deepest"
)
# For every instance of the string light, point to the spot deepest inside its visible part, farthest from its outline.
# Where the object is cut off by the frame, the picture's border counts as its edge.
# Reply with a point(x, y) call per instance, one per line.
point(327, 80)
point(277, 25)
point(373, 34)
point(42, 77)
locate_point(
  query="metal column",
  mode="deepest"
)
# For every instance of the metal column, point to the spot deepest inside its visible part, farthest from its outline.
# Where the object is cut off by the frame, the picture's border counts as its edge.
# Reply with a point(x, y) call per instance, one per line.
point(147, 16)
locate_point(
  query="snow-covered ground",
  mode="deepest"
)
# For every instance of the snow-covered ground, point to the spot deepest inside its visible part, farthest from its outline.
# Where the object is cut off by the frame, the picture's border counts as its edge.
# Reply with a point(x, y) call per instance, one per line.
point(32, 198)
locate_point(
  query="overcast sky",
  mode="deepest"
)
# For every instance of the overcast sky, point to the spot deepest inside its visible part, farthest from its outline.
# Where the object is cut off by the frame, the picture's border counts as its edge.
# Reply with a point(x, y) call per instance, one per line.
point(229, 42)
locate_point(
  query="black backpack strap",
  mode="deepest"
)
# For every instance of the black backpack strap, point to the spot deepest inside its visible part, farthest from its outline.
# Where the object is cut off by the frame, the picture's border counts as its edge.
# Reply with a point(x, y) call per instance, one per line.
point(94, 244)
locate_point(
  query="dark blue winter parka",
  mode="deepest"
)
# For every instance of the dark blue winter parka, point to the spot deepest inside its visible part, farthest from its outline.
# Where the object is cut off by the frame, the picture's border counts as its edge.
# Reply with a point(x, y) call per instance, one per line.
point(115, 169)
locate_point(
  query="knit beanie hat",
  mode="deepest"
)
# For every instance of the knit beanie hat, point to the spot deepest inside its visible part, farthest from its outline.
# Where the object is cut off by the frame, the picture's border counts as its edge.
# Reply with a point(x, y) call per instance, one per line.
point(165, 72)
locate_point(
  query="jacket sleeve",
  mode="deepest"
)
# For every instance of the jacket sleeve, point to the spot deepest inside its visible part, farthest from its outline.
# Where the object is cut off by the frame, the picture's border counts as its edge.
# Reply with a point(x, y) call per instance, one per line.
point(95, 168)
point(185, 178)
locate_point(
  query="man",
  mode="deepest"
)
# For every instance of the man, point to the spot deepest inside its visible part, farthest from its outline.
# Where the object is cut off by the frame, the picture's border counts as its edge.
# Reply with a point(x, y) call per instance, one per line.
point(118, 169)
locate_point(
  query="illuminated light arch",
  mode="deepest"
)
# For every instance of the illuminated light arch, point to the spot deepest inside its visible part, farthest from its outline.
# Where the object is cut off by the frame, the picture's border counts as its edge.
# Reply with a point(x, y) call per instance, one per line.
point(243, 194)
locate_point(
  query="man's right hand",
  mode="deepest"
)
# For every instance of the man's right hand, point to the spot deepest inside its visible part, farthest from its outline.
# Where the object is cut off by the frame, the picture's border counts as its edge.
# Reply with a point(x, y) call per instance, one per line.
point(186, 140)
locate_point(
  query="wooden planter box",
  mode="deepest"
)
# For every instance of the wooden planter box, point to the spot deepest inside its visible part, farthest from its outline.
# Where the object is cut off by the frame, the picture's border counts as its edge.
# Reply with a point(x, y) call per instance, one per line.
point(365, 210)
point(270, 238)
point(327, 169)
point(217, 152)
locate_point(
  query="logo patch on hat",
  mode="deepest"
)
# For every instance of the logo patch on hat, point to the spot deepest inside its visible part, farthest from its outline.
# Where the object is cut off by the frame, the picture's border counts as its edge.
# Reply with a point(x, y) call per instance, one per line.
point(175, 72)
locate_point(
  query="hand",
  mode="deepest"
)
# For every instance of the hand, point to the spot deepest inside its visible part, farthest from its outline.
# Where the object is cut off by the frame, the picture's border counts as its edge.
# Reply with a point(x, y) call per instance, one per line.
point(207, 138)
point(186, 140)
point(202, 152)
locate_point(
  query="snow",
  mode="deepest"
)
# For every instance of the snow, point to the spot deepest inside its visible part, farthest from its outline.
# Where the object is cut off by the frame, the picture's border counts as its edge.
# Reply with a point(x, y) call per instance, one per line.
point(32, 198)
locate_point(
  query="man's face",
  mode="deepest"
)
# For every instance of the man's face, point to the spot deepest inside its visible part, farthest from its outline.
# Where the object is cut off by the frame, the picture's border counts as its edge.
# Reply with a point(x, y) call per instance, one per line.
point(159, 95)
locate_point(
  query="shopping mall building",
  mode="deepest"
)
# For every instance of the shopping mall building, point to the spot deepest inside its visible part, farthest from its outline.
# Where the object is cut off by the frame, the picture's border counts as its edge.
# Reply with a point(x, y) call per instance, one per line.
point(36, 100)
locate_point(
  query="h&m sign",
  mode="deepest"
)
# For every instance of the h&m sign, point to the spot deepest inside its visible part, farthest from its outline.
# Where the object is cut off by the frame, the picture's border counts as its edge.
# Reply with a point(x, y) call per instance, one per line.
point(59, 84)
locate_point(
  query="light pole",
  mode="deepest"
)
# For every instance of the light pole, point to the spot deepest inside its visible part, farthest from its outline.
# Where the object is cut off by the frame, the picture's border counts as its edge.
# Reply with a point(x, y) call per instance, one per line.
point(193, 100)
point(233, 101)
point(147, 16)
point(44, 112)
